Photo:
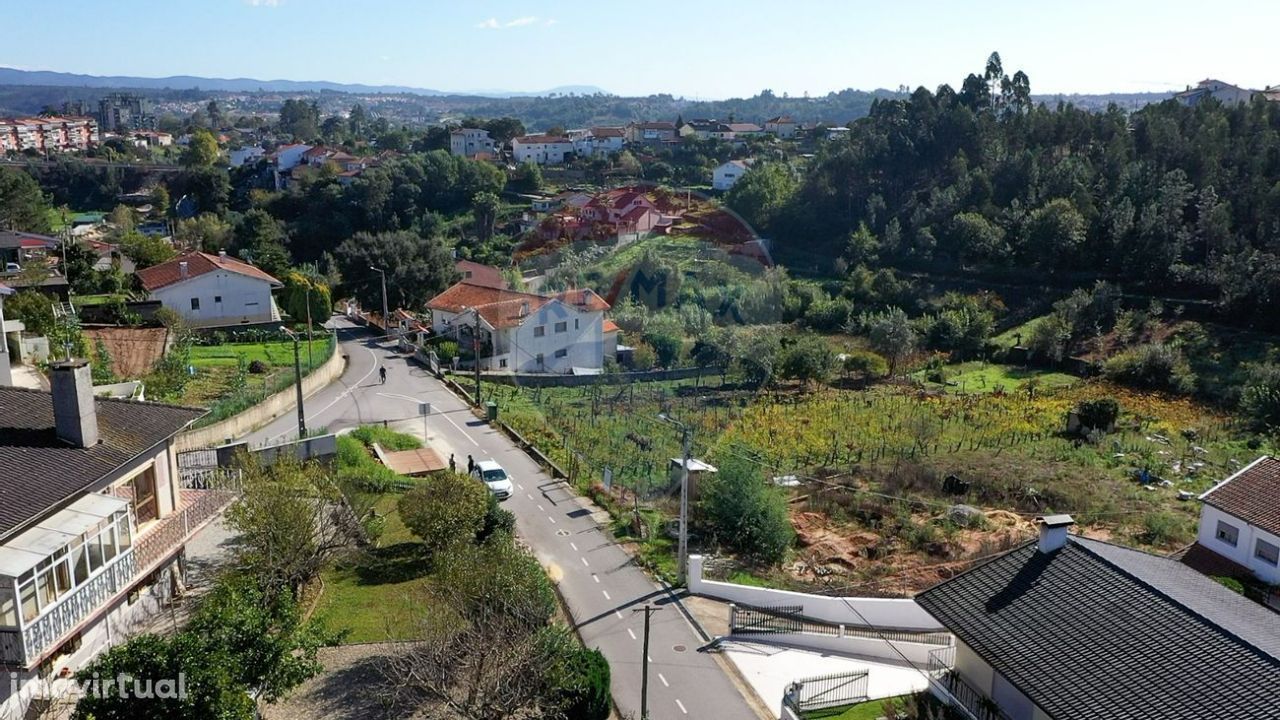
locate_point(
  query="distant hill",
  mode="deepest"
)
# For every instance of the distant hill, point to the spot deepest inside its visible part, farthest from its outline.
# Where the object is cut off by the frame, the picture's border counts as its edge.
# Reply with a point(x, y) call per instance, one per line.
point(11, 76)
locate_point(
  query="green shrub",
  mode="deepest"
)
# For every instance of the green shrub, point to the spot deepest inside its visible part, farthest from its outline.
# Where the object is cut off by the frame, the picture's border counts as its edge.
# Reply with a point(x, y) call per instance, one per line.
point(496, 520)
point(865, 363)
point(388, 439)
point(582, 685)
point(1153, 367)
point(1163, 528)
point(829, 315)
point(1100, 414)
point(1229, 583)
point(746, 513)
point(446, 509)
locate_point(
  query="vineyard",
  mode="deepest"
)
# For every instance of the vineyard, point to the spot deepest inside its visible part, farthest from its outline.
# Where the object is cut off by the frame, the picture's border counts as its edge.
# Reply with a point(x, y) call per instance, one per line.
point(881, 470)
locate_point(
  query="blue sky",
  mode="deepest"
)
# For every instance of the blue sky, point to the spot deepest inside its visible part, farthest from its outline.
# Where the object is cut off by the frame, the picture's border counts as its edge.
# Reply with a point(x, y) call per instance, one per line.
point(696, 49)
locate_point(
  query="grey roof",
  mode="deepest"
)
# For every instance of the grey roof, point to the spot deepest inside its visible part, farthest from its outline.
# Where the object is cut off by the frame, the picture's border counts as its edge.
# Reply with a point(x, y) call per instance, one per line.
point(1095, 630)
point(39, 473)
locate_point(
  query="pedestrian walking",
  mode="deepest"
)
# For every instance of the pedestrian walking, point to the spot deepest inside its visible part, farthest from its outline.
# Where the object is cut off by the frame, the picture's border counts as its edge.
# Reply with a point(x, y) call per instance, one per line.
point(453, 464)
point(382, 372)
point(471, 465)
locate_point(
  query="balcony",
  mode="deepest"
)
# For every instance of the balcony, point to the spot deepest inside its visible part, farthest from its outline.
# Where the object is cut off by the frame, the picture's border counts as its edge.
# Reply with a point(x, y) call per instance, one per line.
point(953, 690)
point(61, 616)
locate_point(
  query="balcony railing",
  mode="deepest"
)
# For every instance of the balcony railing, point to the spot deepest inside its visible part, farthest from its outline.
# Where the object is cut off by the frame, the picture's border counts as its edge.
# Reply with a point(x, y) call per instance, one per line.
point(959, 694)
point(151, 548)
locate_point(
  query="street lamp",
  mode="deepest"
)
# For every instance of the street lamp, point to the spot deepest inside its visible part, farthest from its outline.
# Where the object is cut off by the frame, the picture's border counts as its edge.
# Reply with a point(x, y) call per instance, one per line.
point(297, 370)
point(686, 440)
point(386, 323)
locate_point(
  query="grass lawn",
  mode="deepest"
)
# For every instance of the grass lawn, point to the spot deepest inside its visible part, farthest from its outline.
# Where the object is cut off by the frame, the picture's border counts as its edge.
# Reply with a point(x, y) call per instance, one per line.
point(100, 299)
point(1009, 337)
point(275, 354)
point(869, 710)
point(980, 377)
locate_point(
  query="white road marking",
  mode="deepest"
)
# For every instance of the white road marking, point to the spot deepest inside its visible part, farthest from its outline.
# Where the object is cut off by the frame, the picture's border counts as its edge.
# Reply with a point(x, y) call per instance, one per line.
point(595, 577)
point(632, 633)
point(464, 432)
point(584, 562)
point(541, 509)
point(615, 612)
point(664, 681)
point(521, 487)
point(553, 520)
point(686, 712)
point(606, 594)
point(575, 547)
point(341, 396)
point(528, 496)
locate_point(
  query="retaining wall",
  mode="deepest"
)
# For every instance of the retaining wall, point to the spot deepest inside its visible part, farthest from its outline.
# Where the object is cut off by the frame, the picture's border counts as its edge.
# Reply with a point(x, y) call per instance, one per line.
point(624, 378)
point(893, 650)
point(264, 412)
point(882, 613)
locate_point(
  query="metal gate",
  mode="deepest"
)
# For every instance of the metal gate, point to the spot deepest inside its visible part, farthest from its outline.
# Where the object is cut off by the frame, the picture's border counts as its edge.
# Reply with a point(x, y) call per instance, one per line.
point(199, 470)
point(827, 691)
point(776, 619)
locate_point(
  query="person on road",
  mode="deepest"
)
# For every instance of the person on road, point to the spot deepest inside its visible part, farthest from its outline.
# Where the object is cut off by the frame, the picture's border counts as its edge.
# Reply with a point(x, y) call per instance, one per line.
point(453, 464)
point(471, 465)
point(382, 372)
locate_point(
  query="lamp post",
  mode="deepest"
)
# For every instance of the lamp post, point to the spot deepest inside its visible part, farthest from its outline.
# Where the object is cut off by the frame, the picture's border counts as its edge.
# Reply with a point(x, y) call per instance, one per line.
point(386, 323)
point(297, 370)
point(686, 441)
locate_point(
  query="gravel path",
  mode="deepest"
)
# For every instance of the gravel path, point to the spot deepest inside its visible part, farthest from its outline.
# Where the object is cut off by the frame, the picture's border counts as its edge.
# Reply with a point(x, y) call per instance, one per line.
point(351, 687)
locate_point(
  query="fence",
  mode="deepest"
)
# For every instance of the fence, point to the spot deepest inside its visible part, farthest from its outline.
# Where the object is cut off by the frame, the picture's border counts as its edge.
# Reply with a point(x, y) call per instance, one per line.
point(959, 694)
point(790, 619)
point(826, 691)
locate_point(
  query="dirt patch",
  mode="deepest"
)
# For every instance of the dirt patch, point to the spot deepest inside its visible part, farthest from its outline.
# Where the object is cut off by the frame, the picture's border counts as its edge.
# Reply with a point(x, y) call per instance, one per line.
point(133, 351)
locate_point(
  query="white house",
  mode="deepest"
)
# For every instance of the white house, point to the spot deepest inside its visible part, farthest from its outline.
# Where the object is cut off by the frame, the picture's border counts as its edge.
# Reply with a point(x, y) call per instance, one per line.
point(213, 290)
point(93, 529)
point(1240, 519)
point(523, 332)
point(728, 174)
point(782, 126)
point(598, 141)
point(6, 374)
point(542, 149)
point(245, 155)
point(287, 157)
point(1225, 93)
point(469, 142)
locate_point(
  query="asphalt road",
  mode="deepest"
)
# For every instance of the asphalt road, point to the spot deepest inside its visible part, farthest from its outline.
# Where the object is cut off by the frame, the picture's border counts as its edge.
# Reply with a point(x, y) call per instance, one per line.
point(601, 585)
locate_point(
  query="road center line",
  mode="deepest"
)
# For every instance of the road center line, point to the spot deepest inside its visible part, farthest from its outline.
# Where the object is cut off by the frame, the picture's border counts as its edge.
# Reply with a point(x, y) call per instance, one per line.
point(584, 562)
point(664, 681)
point(528, 496)
point(606, 594)
point(595, 577)
point(575, 547)
point(464, 432)
point(632, 633)
point(553, 520)
point(686, 712)
point(542, 509)
point(615, 612)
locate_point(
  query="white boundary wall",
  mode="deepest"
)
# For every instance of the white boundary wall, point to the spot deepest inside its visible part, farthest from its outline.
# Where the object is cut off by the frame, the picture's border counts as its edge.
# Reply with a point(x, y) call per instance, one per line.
point(882, 613)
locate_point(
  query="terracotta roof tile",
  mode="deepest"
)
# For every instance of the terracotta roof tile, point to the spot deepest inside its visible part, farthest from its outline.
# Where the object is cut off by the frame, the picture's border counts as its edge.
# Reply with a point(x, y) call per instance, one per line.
point(198, 263)
point(1253, 494)
point(502, 308)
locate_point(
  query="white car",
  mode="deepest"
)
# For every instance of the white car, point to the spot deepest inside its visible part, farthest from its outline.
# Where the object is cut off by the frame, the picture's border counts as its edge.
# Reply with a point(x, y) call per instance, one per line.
point(494, 478)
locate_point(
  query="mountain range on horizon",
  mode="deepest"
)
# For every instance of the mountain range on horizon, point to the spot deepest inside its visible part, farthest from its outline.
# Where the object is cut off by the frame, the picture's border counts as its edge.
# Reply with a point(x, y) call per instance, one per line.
point(50, 78)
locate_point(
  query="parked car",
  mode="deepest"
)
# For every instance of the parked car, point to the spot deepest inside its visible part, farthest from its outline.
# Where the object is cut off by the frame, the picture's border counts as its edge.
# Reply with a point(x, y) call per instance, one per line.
point(494, 478)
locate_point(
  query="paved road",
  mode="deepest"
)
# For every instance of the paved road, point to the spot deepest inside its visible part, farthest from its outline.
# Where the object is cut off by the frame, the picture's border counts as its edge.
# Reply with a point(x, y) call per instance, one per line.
point(598, 580)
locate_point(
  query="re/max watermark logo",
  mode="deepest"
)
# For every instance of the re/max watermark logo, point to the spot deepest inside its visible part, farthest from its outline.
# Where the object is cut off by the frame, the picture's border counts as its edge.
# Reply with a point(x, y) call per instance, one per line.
point(123, 686)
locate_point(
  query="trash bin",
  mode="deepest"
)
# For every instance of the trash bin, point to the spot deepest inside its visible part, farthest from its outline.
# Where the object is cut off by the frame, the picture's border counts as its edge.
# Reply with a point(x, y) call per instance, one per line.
point(491, 411)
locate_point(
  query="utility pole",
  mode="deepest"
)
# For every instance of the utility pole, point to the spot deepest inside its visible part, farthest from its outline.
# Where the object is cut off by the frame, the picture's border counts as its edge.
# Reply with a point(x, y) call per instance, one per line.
point(683, 560)
point(310, 340)
point(386, 322)
point(644, 661)
point(475, 339)
point(297, 370)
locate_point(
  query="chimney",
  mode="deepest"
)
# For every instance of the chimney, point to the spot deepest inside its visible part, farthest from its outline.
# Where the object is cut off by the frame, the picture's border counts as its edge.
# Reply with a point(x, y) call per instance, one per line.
point(222, 256)
point(1053, 532)
point(524, 309)
point(75, 416)
point(182, 269)
point(586, 297)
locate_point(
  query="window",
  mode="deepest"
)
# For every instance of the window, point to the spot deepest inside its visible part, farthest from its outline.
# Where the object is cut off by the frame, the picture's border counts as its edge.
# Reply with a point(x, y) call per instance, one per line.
point(540, 331)
point(502, 363)
point(1228, 533)
point(575, 323)
point(8, 608)
point(540, 359)
point(1267, 553)
point(145, 505)
point(195, 303)
point(562, 327)
point(562, 352)
point(217, 298)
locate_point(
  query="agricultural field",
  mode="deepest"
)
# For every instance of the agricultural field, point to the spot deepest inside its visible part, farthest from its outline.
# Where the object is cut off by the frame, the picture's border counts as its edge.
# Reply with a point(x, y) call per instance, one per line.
point(230, 377)
point(866, 469)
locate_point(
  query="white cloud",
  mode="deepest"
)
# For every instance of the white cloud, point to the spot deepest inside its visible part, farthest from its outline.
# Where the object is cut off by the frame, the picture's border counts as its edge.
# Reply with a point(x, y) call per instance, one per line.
point(493, 23)
point(264, 3)
point(550, 22)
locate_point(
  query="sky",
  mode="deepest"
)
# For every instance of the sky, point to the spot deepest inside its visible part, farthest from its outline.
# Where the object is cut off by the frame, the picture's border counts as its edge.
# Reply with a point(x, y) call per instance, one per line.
point(706, 49)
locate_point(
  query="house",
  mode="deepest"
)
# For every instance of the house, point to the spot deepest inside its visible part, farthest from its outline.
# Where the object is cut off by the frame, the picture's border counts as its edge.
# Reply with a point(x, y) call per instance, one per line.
point(624, 210)
point(1225, 93)
point(47, 134)
point(94, 521)
point(213, 290)
point(287, 157)
point(728, 174)
point(597, 141)
point(1065, 627)
point(1240, 523)
point(737, 131)
point(245, 155)
point(610, 332)
point(19, 249)
point(523, 332)
point(702, 129)
point(542, 149)
point(478, 274)
point(651, 132)
point(782, 126)
point(469, 142)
